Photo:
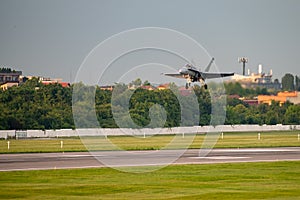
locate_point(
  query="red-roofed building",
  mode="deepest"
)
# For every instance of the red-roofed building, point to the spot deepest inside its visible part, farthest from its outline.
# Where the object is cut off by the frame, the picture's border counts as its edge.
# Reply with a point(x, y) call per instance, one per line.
point(63, 84)
point(185, 92)
point(148, 87)
point(251, 102)
point(164, 86)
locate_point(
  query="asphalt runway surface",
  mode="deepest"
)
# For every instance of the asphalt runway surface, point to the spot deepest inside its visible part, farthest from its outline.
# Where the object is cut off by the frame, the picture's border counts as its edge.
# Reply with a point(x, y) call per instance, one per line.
point(43, 161)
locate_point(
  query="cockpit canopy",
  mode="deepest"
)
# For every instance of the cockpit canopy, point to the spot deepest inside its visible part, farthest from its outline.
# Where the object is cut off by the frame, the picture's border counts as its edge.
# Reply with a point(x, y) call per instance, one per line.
point(190, 66)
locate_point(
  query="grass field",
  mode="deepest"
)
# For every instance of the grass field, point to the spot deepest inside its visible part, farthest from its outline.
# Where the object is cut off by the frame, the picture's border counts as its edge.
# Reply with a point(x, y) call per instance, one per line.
point(230, 140)
point(276, 180)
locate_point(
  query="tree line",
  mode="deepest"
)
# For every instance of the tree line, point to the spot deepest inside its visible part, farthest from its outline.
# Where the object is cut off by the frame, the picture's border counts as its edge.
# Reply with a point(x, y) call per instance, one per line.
point(290, 82)
point(33, 105)
point(6, 70)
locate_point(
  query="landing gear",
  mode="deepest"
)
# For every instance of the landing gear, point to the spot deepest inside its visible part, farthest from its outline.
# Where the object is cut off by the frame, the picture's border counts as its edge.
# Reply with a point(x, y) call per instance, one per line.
point(203, 83)
point(187, 85)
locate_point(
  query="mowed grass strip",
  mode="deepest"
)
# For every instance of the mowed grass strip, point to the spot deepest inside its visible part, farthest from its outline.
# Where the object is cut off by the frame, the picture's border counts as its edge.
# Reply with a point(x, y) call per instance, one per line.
point(275, 180)
point(252, 139)
point(41, 145)
point(230, 140)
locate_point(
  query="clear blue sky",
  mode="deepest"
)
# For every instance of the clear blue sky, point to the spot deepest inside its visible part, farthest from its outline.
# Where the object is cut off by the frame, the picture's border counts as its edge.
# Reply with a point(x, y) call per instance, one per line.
point(52, 38)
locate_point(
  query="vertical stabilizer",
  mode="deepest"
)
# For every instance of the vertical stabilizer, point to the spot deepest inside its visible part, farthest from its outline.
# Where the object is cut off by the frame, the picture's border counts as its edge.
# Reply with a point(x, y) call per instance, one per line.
point(209, 65)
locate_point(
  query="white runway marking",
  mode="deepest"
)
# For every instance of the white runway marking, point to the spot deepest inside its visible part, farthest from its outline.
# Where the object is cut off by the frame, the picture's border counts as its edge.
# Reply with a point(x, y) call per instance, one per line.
point(78, 156)
point(50, 168)
point(254, 150)
point(220, 157)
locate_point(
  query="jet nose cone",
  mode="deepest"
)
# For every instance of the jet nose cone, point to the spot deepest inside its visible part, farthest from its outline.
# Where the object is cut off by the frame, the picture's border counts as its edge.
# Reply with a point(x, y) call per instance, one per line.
point(183, 71)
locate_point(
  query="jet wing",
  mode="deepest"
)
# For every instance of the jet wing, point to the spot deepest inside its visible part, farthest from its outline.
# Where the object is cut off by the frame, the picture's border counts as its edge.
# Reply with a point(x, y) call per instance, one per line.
point(175, 75)
point(210, 75)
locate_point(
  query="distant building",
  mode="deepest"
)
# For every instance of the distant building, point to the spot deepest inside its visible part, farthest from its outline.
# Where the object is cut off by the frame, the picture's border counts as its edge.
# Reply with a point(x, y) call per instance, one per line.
point(107, 87)
point(5, 86)
point(281, 97)
point(163, 86)
point(48, 81)
point(148, 87)
point(63, 84)
point(251, 102)
point(185, 92)
point(10, 76)
point(295, 99)
point(52, 80)
point(259, 79)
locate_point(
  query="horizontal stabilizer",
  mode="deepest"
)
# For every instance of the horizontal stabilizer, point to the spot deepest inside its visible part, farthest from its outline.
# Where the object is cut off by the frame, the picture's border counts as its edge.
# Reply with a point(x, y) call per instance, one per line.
point(175, 75)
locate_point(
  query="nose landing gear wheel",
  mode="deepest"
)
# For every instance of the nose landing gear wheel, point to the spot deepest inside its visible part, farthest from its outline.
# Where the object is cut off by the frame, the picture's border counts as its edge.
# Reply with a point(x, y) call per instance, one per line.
point(187, 85)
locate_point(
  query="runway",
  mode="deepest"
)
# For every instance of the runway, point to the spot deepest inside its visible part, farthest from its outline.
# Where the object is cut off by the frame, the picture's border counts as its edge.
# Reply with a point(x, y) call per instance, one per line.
point(43, 161)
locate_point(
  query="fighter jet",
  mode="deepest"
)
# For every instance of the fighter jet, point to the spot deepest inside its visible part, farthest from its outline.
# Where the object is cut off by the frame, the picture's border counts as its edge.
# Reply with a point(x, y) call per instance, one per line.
point(192, 74)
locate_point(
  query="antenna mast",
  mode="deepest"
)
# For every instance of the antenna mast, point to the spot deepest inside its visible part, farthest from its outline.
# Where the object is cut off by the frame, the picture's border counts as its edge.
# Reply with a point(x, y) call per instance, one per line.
point(243, 60)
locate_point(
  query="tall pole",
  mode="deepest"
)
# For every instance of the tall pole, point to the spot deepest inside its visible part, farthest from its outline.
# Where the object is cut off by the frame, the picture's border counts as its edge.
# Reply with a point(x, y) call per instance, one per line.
point(243, 60)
